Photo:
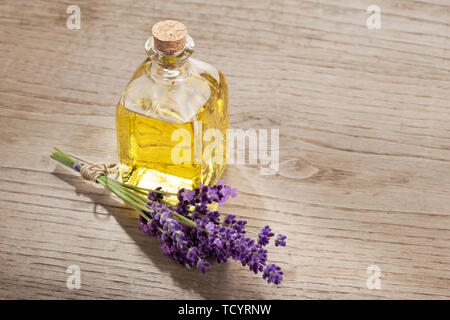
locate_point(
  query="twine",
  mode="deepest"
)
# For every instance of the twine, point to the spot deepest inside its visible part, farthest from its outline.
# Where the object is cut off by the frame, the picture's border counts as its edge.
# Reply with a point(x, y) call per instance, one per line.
point(91, 171)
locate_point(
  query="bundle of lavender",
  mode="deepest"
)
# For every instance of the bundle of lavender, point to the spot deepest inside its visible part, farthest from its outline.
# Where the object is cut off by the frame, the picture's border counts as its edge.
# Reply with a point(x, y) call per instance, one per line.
point(189, 231)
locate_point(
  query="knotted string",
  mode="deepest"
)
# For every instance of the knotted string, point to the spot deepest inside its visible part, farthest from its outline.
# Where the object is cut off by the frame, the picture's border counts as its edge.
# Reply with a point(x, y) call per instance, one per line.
point(91, 171)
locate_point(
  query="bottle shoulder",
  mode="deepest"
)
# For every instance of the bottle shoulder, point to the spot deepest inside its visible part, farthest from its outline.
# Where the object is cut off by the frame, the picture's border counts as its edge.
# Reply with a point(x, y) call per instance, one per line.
point(177, 99)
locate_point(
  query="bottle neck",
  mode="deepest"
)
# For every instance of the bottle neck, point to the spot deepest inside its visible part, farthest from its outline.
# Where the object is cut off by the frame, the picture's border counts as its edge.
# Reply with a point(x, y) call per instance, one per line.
point(170, 71)
point(170, 66)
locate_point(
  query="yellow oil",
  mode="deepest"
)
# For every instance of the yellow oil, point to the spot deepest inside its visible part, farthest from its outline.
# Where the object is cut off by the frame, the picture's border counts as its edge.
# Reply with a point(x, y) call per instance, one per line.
point(145, 140)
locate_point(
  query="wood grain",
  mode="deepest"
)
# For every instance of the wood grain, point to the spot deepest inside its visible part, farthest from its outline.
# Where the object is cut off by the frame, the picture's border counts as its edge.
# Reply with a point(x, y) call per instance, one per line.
point(364, 124)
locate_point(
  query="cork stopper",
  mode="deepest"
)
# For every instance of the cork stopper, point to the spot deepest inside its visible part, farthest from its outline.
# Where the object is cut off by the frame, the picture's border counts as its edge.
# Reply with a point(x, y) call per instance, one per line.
point(169, 36)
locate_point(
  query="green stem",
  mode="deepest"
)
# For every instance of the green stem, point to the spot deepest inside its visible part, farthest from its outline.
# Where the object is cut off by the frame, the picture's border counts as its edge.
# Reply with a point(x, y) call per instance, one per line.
point(143, 201)
point(145, 190)
point(132, 195)
point(67, 160)
point(124, 191)
point(137, 206)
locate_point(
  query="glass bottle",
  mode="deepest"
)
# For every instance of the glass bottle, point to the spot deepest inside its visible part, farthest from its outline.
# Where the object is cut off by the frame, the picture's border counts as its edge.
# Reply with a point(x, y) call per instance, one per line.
point(164, 114)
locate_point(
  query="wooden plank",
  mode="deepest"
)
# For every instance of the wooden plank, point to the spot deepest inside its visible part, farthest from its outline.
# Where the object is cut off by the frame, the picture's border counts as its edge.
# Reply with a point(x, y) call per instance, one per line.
point(364, 147)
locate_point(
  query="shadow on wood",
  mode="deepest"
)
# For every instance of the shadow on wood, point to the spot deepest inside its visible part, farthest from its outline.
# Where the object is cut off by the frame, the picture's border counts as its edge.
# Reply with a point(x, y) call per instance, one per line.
point(211, 285)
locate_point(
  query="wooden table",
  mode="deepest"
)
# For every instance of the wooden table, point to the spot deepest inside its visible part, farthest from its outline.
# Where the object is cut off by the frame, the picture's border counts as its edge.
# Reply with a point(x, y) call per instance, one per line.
point(364, 119)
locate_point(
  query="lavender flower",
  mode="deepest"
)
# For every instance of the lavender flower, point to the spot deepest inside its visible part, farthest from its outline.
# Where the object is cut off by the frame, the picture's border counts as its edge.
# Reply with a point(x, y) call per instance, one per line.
point(191, 246)
point(273, 274)
point(155, 196)
point(185, 195)
point(189, 232)
point(203, 265)
point(264, 235)
point(280, 240)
